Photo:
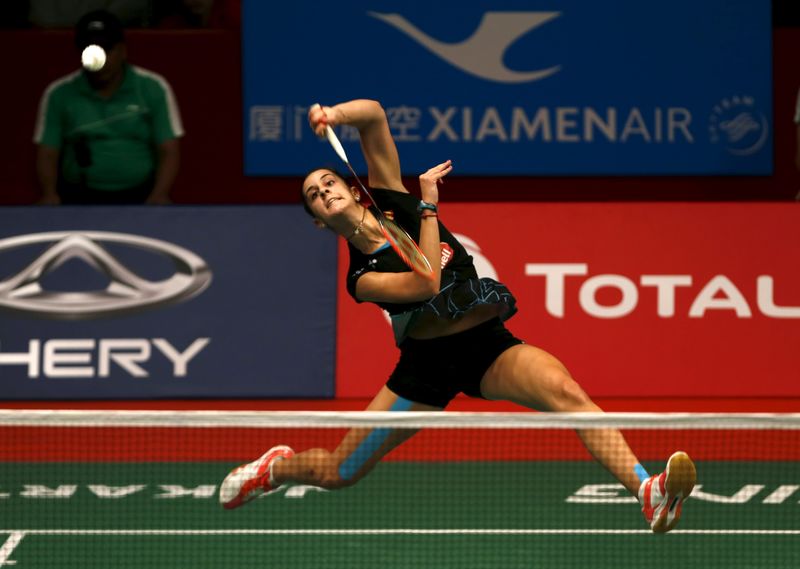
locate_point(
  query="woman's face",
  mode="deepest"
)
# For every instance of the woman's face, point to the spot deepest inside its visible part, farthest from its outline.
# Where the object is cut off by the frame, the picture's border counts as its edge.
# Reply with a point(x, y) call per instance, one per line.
point(326, 194)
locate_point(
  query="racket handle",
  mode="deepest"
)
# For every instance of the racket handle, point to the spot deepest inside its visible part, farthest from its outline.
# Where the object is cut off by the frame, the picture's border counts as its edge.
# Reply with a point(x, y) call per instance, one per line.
point(333, 139)
point(337, 146)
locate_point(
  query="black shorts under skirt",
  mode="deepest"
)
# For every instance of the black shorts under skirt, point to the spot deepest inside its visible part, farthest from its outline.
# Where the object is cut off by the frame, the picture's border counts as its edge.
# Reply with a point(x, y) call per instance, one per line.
point(434, 371)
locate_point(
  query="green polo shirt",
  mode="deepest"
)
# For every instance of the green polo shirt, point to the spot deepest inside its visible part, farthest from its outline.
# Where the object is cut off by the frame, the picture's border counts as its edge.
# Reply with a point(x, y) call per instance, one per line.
point(122, 133)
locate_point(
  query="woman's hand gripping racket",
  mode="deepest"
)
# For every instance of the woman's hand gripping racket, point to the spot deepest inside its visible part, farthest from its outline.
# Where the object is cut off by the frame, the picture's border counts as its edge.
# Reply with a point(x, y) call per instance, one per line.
point(401, 242)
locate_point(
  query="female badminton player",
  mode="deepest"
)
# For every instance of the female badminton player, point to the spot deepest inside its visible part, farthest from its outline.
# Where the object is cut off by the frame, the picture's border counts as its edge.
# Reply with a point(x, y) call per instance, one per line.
point(448, 327)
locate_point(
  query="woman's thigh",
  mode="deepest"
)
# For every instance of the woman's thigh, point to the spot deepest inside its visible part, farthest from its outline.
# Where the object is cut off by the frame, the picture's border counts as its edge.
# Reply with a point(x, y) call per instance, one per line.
point(532, 377)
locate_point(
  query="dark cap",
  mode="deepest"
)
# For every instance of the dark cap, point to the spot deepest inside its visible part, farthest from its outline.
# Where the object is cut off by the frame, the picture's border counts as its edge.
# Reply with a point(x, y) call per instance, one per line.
point(98, 27)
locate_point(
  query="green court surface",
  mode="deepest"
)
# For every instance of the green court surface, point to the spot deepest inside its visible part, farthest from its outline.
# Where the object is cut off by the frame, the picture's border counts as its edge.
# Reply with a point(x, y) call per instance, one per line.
point(405, 514)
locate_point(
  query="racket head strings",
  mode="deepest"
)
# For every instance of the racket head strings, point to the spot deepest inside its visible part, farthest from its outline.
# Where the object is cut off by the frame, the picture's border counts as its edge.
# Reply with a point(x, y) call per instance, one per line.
point(406, 248)
point(403, 244)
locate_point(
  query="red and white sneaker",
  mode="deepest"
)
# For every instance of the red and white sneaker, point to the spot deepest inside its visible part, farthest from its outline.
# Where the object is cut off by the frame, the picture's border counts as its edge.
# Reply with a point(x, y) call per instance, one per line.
point(251, 480)
point(662, 495)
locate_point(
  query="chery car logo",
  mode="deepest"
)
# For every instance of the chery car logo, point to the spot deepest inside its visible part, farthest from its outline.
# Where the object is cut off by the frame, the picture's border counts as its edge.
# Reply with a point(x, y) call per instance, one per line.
point(127, 292)
point(482, 53)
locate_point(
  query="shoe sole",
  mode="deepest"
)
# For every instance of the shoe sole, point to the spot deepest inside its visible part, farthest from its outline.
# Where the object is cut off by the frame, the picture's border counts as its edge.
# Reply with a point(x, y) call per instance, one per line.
point(681, 478)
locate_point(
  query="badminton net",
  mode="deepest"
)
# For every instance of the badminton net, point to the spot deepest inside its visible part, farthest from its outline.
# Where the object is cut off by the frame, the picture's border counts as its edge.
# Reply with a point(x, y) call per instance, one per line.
point(470, 490)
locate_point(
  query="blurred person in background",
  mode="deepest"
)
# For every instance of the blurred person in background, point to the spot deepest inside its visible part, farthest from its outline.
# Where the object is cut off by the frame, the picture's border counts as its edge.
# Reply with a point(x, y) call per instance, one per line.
point(108, 136)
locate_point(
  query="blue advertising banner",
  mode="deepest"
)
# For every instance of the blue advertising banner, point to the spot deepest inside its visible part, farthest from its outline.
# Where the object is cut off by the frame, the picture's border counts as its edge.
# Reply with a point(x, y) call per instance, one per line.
point(565, 87)
point(167, 302)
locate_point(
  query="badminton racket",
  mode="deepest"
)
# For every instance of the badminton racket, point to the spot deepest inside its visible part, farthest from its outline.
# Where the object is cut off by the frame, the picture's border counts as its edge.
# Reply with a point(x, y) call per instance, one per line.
point(398, 238)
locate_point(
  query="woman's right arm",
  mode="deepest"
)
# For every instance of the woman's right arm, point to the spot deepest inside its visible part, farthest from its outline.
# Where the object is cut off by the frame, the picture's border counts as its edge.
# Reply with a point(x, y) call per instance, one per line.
point(377, 144)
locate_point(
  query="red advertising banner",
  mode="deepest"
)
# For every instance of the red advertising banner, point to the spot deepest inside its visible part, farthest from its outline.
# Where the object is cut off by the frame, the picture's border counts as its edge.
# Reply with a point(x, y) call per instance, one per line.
point(639, 300)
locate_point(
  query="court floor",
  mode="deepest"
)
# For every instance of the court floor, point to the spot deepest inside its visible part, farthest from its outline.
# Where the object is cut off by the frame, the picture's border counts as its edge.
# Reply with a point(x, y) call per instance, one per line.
point(523, 514)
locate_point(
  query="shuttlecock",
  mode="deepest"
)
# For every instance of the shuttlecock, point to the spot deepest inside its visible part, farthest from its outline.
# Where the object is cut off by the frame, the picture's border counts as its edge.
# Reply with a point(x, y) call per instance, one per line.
point(93, 58)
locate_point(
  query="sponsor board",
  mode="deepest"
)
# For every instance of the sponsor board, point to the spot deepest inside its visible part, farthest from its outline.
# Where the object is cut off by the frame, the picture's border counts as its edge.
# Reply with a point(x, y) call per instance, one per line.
point(105, 303)
point(563, 88)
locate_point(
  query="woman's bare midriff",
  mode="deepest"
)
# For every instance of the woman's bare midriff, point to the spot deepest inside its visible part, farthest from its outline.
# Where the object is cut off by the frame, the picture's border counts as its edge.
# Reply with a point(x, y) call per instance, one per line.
point(428, 326)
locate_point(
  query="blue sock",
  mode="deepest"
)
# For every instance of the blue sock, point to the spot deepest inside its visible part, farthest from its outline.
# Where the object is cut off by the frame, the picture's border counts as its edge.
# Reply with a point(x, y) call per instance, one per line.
point(641, 472)
point(370, 444)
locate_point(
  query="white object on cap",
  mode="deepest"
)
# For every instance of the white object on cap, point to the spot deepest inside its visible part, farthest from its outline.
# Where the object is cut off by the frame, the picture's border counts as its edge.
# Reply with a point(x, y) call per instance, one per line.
point(93, 58)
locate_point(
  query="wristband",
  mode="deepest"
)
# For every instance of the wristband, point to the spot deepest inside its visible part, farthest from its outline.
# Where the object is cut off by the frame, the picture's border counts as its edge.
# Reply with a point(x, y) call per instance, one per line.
point(423, 206)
